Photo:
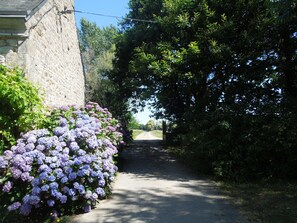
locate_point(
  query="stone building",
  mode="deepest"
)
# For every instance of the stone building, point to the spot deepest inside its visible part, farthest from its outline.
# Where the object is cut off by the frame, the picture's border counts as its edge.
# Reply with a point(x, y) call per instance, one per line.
point(38, 36)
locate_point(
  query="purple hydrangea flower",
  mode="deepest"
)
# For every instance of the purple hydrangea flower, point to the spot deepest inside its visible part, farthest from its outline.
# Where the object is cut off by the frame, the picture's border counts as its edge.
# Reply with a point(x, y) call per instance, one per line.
point(7, 186)
point(72, 176)
point(76, 185)
point(63, 199)
point(74, 146)
point(30, 147)
point(43, 176)
point(31, 139)
point(63, 122)
point(79, 123)
point(80, 173)
point(3, 162)
point(92, 142)
point(16, 172)
point(71, 192)
point(87, 208)
point(26, 177)
point(40, 147)
point(55, 193)
point(66, 150)
point(54, 165)
point(25, 209)
point(88, 194)
point(45, 187)
point(51, 203)
point(44, 168)
point(80, 151)
point(54, 186)
point(8, 154)
point(36, 190)
point(81, 189)
point(100, 192)
point(55, 152)
point(35, 182)
point(58, 171)
point(42, 141)
point(94, 196)
point(42, 132)
point(14, 206)
point(51, 178)
point(68, 170)
point(34, 200)
point(64, 180)
point(60, 131)
point(78, 161)
point(60, 175)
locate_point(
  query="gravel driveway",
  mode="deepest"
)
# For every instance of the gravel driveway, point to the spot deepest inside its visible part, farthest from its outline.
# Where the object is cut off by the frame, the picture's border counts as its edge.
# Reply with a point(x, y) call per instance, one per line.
point(146, 136)
point(153, 187)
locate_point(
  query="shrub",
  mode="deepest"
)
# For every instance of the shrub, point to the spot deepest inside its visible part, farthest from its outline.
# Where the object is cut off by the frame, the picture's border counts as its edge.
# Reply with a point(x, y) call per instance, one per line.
point(67, 167)
point(243, 147)
point(21, 106)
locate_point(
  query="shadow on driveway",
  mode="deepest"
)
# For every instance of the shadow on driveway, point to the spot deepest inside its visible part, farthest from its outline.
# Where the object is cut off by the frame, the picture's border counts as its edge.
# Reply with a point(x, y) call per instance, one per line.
point(154, 187)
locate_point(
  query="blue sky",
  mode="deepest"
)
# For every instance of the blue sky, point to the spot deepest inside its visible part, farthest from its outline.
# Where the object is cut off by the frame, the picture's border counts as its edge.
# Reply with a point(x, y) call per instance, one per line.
point(107, 7)
point(117, 8)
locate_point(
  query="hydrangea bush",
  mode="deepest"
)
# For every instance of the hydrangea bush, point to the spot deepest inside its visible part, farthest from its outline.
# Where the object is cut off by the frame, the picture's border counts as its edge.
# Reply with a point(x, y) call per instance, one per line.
point(66, 167)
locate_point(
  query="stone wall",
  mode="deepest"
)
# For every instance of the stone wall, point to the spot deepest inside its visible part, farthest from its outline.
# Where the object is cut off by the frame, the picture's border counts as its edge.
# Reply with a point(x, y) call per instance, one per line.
point(9, 48)
point(50, 54)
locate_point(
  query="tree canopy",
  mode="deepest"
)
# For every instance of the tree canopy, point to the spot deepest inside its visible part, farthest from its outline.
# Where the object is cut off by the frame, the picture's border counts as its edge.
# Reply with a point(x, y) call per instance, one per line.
point(216, 68)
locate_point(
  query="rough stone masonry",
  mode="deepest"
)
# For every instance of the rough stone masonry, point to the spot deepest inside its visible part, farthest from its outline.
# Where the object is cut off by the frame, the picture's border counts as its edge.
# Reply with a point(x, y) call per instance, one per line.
point(48, 51)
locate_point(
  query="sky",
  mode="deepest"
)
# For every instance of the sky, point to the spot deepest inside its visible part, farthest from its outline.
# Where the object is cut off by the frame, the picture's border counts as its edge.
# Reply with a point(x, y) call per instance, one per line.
point(117, 8)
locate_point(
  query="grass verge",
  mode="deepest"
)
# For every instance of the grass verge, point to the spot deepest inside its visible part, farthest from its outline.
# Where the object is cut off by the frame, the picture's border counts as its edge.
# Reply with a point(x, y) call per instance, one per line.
point(136, 132)
point(265, 202)
point(157, 133)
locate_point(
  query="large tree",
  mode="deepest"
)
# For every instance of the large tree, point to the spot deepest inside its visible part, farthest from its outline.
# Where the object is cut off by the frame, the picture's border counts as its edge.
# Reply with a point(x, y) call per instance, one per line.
point(221, 68)
point(197, 54)
point(98, 49)
point(98, 52)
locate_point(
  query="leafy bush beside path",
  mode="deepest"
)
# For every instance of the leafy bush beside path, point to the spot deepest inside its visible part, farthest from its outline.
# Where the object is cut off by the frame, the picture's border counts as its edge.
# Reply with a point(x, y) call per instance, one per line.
point(21, 106)
point(63, 169)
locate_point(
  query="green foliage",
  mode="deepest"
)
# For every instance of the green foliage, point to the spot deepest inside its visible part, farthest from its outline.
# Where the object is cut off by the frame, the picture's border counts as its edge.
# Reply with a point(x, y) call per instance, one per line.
point(97, 46)
point(98, 51)
point(150, 125)
point(77, 137)
point(136, 132)
point(224, 72)
point(21, 106)
point(133, 123)
point(244, 147)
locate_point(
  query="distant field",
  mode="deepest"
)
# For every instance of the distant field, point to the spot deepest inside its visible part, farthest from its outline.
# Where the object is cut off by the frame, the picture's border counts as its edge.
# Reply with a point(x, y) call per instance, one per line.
point(136, 132)
point(157, 133)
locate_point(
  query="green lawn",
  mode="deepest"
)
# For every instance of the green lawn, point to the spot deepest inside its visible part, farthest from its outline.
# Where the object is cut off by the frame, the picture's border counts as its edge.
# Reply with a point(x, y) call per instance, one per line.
point(157, 133)
point(136, 132)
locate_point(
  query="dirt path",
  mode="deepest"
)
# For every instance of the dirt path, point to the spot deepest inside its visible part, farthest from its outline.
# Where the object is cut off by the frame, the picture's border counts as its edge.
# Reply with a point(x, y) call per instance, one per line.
point(153, 187)
point(146, 136)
